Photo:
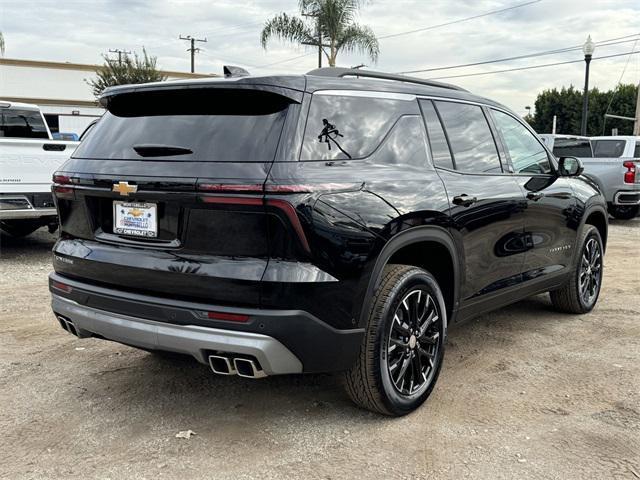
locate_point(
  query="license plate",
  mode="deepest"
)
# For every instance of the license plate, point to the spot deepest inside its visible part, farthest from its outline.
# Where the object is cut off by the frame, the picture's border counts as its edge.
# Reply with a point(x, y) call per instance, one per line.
point(135, 219)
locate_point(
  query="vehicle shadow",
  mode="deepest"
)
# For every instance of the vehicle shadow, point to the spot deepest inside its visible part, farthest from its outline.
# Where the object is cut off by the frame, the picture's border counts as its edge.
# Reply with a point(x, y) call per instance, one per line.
point(185, 393)
point(40, 241)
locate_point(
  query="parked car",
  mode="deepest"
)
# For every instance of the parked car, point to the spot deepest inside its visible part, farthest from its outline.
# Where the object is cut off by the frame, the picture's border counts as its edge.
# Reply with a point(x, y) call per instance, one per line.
point(611, 162)
point(316, 223)
point(28, 158)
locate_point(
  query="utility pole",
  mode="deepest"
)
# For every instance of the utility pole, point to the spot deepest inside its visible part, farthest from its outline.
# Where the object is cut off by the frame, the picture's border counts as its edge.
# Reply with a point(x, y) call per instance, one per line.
point(636, 124)
point(319, 34)
point(120, 53)
point(192, 48)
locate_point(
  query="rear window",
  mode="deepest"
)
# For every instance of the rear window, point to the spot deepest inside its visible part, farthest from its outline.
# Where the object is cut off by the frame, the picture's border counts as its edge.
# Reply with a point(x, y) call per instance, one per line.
point(210, 125)
point(608, 148)
point(17, 123)
point(572, 147)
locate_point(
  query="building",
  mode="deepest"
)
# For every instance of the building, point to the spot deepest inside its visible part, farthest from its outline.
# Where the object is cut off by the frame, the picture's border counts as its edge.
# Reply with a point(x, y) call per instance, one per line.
point(59, 88)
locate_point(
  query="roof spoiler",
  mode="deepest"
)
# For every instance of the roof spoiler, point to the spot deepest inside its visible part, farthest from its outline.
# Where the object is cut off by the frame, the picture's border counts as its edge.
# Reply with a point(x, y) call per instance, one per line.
point(232, 71)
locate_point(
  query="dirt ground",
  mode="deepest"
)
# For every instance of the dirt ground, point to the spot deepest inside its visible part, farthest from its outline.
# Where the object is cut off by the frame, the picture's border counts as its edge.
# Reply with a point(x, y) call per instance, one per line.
point(524, 393)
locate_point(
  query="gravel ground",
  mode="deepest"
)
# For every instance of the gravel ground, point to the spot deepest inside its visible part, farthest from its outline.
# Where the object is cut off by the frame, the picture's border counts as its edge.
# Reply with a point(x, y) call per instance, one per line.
point(524, 393)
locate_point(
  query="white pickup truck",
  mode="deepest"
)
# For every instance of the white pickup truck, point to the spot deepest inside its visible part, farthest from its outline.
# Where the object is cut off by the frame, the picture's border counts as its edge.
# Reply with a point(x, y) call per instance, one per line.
point(28, 158)
point(612, 162)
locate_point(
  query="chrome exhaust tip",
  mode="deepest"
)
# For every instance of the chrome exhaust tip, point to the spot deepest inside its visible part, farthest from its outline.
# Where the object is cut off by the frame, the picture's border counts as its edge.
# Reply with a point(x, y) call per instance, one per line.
point(248, 368)
point(221, 365)
point(68, 325)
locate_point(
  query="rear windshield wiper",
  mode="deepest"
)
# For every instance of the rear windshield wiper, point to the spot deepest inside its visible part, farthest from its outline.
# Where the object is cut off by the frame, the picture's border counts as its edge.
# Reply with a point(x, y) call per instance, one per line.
point(158, 150)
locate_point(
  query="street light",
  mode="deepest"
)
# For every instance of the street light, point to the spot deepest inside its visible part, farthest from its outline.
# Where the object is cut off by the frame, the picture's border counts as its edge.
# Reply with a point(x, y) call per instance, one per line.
point(588, 49)
point(528, 109)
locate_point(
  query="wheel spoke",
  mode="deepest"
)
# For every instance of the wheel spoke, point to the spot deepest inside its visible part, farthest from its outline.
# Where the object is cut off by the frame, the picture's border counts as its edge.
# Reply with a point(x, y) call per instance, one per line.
point(400, 326)
point(432, 340)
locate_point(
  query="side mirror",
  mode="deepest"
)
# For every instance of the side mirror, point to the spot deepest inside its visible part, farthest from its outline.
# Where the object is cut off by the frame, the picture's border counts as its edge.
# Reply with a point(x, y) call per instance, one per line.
point(570, 167)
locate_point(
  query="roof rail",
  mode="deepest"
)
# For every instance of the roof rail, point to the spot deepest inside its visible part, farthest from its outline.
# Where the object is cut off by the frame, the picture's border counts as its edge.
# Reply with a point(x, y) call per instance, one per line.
point(338, 72)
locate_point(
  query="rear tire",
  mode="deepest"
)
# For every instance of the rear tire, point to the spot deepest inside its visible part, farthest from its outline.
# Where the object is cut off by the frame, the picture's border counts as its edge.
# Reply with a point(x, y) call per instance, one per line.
point(581, 291)
point(403, 346)
point(624, 212)
point(20, 228)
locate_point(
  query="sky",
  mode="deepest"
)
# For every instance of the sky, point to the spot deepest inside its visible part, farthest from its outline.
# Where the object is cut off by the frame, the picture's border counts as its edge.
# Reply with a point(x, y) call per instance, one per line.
point(82, 30)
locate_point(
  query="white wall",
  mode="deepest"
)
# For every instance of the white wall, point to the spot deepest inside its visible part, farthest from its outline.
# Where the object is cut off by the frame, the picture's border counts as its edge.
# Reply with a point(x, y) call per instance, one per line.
point(49, 83)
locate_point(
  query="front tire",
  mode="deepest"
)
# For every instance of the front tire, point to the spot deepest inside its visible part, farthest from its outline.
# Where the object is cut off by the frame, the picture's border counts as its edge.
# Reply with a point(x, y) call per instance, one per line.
point(581, 291)
point(403, 347)
point(624, 212)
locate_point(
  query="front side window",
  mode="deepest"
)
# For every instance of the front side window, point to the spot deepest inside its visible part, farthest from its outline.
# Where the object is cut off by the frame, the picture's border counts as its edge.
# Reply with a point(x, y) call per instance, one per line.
point(572, 147)
point(472, 144)
point(345, 127)
point(526, 152)
point(608, 148)
point(22, 124)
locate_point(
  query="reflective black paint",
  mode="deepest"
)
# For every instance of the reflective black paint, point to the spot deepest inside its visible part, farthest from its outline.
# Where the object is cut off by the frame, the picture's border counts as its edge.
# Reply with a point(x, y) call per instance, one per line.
point(515, 239)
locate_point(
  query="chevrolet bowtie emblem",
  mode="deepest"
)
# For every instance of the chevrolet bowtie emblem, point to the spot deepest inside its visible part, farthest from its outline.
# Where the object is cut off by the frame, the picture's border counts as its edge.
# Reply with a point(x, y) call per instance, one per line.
point(124, 189)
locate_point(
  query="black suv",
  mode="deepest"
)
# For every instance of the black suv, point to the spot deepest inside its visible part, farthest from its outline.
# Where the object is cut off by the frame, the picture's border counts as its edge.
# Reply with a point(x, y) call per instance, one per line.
point(334, 221)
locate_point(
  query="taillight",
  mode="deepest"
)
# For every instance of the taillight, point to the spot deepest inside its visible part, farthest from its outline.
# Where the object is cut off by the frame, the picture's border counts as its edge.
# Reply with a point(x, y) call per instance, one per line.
point(61, 179)
point(228, 317)
point(63, 287)
point(630, 174)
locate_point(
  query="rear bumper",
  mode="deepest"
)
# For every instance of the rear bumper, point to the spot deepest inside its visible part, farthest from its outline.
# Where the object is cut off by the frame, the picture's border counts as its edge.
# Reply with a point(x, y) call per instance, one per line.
point(631, 197)
point(19, 206)
point(193, 340)
point(283, 341)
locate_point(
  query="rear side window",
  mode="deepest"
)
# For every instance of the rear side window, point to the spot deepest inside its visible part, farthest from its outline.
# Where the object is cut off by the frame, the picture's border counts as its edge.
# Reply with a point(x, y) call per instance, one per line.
point(22, 124)
point(572, 147)
point(437, 140)
point(344, 127)
point(526, 152)
point(473, 147)
point(608, 148)
point(209, 125)
point(636, 151)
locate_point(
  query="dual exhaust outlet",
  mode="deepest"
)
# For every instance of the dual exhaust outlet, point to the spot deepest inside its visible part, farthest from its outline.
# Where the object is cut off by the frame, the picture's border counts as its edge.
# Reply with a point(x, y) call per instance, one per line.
point(243, 367)
point(68, 325)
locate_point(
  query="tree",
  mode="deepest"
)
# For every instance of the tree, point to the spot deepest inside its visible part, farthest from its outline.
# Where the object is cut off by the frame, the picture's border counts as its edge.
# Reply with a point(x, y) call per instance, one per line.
point(129, 70)
point(335, 20)
point(1, 44)
point(566, 105)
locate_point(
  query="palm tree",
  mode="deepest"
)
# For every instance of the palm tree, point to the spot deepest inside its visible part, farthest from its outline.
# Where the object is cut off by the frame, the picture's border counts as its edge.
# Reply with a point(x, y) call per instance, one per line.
point(1, 44)
point(335, 21)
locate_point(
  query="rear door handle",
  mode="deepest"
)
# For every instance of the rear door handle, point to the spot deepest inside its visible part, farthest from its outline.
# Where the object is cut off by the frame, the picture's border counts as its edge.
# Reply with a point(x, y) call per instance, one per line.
point(535, 196)
point(464, 200)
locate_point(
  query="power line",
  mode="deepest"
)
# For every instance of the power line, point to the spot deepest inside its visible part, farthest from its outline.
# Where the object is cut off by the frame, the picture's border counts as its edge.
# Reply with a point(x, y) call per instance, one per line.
point(533, 66)
point(286, 60)
point(520, 57)
point(466, 19)
point(615, 91)
point(431, 27)
point(192, 48)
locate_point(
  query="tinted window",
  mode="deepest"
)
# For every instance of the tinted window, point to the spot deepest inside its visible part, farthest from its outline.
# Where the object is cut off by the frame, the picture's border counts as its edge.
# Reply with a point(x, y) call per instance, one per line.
point(22, 124)
point(608, 148)
point(526, 152)
point(405, 144)
point(572, 147)
point(438, 142)
point(472, 144)
point(341, 127)
point(636, 151)
point(208, 125)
